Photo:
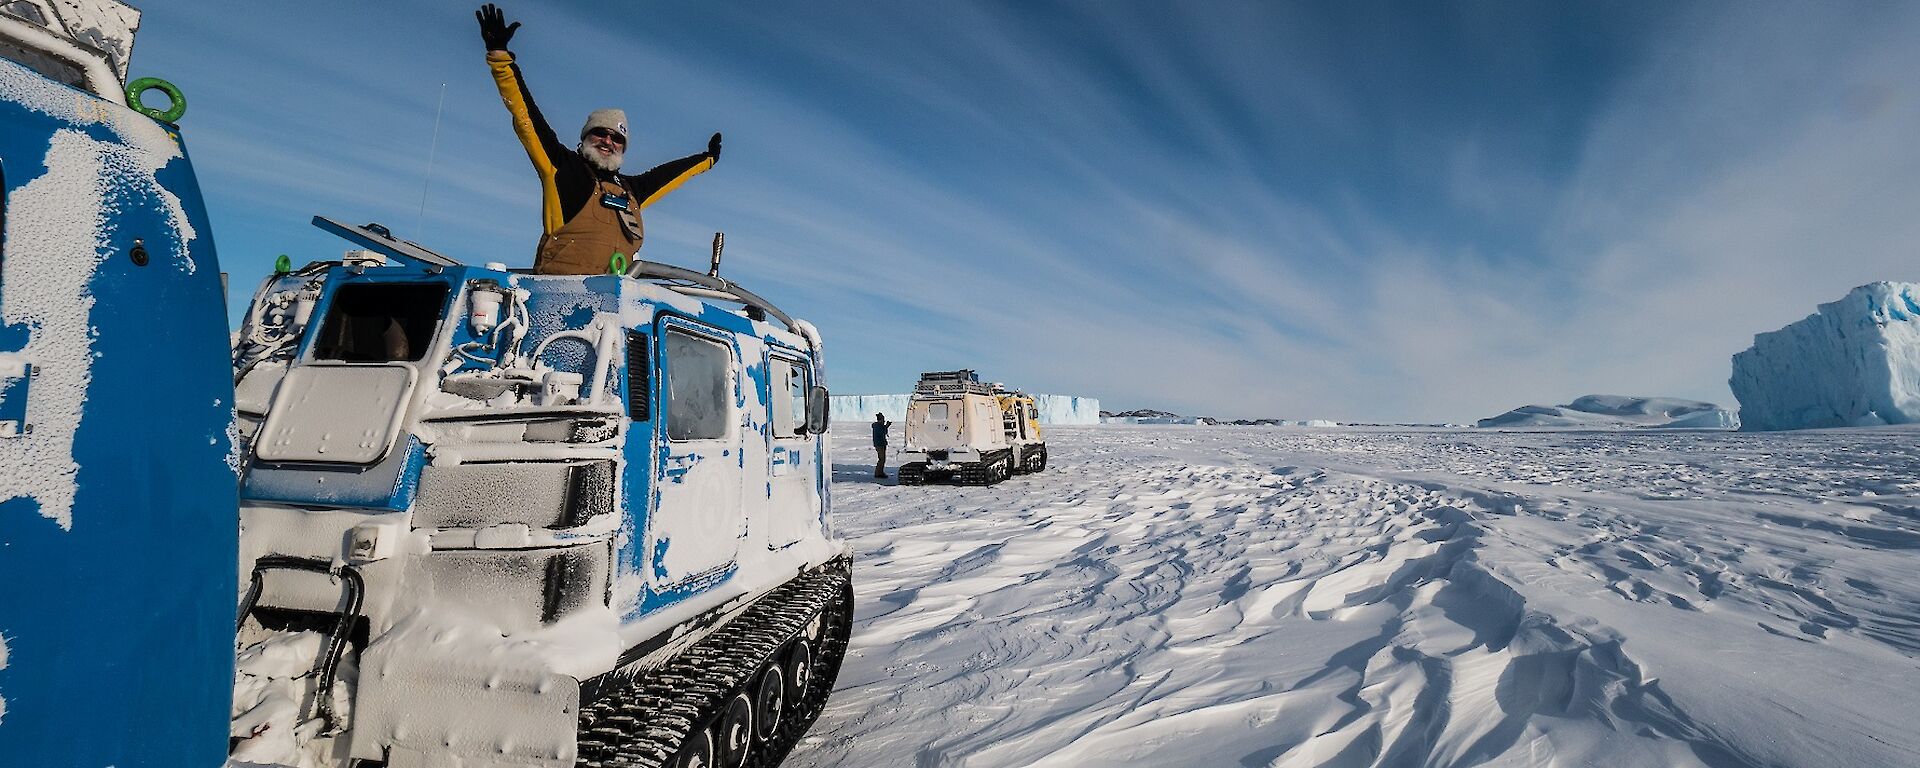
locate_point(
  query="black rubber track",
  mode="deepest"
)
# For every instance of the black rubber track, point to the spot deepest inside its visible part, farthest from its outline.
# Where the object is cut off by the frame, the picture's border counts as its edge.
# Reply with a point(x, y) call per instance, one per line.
point(643, 723)
point(1032, 460)
point(968, 473)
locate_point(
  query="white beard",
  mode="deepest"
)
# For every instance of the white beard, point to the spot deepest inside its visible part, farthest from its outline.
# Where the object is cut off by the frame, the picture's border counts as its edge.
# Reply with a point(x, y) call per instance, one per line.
point(609, 163)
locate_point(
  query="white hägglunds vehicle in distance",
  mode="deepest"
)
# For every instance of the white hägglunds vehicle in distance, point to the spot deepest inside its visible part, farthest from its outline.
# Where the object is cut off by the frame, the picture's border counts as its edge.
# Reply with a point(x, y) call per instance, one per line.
point(970, 432)
point(497, 519)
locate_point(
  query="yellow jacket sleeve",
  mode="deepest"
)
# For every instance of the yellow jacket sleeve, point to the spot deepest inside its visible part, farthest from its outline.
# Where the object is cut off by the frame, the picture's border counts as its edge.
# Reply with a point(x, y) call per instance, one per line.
point(542, 145)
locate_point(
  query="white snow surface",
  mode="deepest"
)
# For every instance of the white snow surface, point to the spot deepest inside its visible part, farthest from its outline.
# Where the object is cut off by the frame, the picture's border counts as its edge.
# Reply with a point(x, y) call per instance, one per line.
point(1248, 596)
point(1855, 362)
point(1054, 409)
point(273, 691)
point(1616, 411)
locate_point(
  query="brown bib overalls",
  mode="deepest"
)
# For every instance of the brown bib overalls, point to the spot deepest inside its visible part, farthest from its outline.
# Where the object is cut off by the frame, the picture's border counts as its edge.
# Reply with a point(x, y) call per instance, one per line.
point(587, 242)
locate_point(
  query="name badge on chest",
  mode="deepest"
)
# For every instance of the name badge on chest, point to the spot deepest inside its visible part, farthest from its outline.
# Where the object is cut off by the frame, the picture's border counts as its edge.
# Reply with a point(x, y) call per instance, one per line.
point(616, 202)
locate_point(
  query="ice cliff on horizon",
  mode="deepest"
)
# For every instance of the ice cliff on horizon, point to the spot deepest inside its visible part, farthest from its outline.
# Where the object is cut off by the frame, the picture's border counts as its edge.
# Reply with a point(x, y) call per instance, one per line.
point(1054, 409)
point(1855, 362)
point(1617, 411)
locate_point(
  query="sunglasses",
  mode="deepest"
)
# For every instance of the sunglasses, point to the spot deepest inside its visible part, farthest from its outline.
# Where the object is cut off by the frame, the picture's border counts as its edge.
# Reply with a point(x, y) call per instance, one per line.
point(602, 133)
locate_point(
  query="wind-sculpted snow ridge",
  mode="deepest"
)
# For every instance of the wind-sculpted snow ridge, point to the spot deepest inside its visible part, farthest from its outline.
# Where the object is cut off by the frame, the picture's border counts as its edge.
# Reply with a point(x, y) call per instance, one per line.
point(1618, 411)
point(1276, 597)
point(1856, 362)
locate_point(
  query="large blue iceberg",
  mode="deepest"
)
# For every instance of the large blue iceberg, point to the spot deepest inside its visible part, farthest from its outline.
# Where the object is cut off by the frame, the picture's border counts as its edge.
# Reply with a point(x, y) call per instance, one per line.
point(1854, 363)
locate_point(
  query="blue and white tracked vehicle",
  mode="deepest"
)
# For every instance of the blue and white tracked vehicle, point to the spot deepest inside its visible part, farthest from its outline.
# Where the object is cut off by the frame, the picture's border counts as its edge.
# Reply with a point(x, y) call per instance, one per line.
point(497, 519)
point(116, 488)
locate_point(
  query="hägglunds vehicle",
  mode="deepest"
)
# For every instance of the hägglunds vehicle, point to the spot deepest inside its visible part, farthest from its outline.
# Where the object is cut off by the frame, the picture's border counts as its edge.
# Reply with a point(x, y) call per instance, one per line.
point(117, 498)
point(497, 519)
point(971, 432)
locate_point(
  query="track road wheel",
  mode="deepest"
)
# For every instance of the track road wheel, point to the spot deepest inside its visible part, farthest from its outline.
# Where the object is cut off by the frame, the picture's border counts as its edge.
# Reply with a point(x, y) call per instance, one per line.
point(798, 667)
point(1043, 459)
point(770, 701)
point(695, 752)
point(736, 733)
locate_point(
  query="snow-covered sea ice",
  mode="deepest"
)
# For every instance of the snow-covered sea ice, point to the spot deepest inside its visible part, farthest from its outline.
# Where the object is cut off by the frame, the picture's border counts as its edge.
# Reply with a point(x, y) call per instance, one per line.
point(1292, 597)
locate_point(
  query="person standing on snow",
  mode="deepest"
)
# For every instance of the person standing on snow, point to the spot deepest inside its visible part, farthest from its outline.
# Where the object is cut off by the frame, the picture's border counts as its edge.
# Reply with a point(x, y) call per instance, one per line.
point(589, 209)
point(880, 425)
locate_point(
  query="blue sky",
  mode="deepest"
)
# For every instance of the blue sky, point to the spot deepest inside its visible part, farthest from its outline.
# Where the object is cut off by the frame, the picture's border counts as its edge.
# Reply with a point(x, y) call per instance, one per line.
point(1354, 211)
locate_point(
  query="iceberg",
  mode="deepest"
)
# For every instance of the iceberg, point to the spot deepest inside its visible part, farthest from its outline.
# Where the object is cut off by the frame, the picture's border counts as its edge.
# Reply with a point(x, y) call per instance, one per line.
point(1054, 409)
point(1855, 362)
point(1068, 409)
point(861, 408)
point(1618, 411)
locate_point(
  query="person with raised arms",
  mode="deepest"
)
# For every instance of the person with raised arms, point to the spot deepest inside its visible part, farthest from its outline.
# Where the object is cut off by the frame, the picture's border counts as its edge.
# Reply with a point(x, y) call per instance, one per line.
point(590, 211)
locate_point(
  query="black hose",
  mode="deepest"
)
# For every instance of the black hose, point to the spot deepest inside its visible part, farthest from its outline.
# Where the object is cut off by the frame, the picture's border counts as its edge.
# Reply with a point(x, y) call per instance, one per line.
point(327, 664)
point(330, 661)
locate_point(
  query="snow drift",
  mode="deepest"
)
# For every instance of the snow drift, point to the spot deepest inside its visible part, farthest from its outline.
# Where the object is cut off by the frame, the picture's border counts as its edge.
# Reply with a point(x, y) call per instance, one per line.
point(1616, 411)
point(1054, 409)
point(1856, 362)
point(1171, 596)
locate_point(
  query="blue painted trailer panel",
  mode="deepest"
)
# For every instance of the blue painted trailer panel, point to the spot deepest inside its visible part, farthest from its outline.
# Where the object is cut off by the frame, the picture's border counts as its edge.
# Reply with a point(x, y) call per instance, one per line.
point(117, 511)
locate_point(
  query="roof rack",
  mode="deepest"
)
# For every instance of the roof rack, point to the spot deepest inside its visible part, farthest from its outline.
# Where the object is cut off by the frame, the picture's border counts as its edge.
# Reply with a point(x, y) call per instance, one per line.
point(708, 286)
point(960, 382)
point(82, 43)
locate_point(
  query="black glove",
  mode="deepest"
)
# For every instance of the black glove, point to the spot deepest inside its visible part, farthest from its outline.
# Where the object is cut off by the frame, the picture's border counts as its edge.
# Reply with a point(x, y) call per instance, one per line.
point(713, 148)
point(494, 28)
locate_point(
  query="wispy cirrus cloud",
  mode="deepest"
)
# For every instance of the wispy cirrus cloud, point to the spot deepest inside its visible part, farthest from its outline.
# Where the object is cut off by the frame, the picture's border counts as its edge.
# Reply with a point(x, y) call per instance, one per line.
point(1381, 212)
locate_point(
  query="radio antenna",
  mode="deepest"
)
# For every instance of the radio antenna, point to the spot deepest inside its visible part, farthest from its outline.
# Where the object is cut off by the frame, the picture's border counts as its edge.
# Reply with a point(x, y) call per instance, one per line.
point(420, 224)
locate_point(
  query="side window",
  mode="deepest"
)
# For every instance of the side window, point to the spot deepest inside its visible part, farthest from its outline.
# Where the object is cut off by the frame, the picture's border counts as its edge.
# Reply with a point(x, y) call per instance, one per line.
point(788, 380)
point(699, 387)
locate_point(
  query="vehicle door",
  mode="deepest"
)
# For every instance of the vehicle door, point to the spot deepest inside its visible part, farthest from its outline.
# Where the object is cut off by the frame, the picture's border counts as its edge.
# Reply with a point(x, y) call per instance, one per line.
point(792, 467)
point(697, 522)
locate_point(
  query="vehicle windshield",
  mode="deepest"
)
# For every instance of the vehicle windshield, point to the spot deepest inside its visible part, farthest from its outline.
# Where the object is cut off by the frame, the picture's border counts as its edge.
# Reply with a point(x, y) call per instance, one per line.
point(381, 322)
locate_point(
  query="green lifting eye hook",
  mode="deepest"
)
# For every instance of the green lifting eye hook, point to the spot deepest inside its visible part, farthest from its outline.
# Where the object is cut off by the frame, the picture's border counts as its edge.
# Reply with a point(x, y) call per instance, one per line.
point(618, 264)
point(177, 101)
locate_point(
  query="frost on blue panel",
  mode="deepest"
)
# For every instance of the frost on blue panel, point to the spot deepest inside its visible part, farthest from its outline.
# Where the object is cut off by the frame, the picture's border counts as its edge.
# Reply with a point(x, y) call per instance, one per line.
point(660, 561)
point(1855, 362)
point(556, 306)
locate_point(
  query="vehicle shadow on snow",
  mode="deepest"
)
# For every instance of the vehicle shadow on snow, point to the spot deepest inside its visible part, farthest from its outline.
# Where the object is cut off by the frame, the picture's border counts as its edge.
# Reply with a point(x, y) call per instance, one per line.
point(862, 473)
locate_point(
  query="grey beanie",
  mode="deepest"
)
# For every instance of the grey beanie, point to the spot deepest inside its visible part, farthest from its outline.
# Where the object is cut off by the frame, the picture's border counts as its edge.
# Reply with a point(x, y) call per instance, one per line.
point(611, 119)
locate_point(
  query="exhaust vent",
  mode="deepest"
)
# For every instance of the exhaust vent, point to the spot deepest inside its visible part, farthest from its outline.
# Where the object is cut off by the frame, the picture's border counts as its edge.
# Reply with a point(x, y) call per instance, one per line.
point(639, 372)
